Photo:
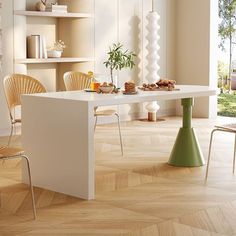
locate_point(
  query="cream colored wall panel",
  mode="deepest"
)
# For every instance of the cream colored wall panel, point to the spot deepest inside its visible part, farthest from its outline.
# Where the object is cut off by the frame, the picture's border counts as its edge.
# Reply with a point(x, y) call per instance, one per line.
point(130, 35)
point(171, 39)
point(45, 26)
point(7, 61)
point(193, 58)
point(106, 31)
point(79, 5)
point(45, 73)
point(78, 35)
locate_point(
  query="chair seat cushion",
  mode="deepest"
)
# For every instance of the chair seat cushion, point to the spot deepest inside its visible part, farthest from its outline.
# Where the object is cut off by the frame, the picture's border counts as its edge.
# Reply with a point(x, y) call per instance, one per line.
point(230, 127)
point(105, 113)
point(10, 152)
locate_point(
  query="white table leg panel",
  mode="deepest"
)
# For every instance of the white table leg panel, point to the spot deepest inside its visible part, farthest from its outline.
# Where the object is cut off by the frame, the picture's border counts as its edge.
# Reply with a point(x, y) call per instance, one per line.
point(57, 134)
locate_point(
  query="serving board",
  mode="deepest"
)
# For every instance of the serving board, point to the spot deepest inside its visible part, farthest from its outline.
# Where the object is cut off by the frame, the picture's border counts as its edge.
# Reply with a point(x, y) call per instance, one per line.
point(159, 89)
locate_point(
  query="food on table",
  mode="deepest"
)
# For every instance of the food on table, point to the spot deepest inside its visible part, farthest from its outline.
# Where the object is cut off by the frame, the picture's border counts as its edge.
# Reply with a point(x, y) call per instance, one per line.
point(107, 88)
point(165, 84)
point(130, 87)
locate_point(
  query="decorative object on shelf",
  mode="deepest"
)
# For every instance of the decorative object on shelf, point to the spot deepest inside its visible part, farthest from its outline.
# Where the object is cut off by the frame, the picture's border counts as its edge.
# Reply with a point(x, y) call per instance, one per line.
point(57, 8)
point(119, 59)
point(56, 50)
point(36, 46)
point(41, 5)
point(152, 59)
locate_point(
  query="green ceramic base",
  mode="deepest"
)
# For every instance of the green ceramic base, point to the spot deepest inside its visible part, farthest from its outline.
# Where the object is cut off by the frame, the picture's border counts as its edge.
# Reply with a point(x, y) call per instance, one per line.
point(186, 151)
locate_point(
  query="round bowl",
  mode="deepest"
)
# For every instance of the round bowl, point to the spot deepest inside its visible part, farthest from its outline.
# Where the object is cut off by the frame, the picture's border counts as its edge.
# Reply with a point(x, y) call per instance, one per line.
point(54, 53)
point(106, 89)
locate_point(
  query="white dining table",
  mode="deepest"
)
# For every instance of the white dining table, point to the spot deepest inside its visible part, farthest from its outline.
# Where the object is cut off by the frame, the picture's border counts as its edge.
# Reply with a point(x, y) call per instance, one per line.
point(58, 135)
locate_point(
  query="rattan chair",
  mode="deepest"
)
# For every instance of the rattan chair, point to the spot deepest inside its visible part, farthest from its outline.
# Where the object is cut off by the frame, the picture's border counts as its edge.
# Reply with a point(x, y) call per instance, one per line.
point(7, 153)
point(14, 86)
point(229, 128)
point(78, 81)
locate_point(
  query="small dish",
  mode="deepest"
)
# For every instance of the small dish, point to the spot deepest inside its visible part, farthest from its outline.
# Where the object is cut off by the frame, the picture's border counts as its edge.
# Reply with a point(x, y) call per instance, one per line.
point(106, 89)
point(129, 93)
point(90, 90)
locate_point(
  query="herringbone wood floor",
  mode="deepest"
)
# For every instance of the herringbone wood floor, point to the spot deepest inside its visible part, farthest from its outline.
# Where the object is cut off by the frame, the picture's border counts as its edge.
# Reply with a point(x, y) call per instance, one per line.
point(136, 195)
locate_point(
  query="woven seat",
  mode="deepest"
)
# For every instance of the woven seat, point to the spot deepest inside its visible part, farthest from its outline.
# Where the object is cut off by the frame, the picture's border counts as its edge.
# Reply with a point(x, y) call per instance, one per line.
point(14, 86)
point(78, 81)
point(9, 152)
point(229, 128)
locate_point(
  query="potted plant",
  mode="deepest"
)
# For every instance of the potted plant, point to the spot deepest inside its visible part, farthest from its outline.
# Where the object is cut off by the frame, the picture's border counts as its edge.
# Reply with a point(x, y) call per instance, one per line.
point(119, 59)
point(57, 49)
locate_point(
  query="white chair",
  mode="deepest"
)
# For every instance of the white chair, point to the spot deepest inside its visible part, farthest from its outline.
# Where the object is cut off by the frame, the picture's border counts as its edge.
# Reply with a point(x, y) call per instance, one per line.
point(78, 81)
point(229, 128)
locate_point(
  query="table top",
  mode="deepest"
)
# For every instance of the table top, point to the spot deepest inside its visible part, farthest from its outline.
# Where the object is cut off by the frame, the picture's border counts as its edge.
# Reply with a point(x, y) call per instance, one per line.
point(185, 91)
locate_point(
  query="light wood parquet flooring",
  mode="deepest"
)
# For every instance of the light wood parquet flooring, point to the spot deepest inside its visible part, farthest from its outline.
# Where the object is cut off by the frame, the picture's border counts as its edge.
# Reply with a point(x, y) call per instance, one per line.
point(136, 195)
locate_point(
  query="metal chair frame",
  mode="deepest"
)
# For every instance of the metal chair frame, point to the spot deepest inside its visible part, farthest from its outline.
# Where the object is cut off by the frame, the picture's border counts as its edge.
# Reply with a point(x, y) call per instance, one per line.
point(29, 175)
point(72, 83)
point(210, 147)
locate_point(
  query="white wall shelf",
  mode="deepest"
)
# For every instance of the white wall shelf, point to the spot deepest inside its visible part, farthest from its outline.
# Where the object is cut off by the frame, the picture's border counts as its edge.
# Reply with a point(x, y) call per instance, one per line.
point(52, 14)
point(52, 60)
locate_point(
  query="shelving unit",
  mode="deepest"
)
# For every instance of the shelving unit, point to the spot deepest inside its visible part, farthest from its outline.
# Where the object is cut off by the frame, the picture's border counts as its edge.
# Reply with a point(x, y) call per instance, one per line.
point(75, 28)
point(53, 60)
point(52, 14)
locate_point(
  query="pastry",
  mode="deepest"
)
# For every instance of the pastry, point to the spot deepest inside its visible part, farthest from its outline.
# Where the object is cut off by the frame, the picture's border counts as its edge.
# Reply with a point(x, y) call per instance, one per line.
point(130, 87)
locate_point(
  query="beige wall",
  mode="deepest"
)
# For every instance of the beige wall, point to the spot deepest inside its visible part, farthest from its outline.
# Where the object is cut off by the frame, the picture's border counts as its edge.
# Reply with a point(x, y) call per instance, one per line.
point(196, 27)
point(7, 22)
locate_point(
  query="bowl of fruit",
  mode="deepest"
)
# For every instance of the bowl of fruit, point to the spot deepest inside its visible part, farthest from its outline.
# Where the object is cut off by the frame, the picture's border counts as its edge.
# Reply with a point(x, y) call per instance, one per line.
point(106, 88)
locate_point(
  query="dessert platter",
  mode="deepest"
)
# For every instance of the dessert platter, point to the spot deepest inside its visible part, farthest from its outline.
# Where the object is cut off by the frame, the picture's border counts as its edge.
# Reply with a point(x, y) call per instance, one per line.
point(161, 85)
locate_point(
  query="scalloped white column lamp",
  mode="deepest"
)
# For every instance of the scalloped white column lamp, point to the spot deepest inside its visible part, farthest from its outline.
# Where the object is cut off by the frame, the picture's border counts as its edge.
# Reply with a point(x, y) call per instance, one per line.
point(152, 59)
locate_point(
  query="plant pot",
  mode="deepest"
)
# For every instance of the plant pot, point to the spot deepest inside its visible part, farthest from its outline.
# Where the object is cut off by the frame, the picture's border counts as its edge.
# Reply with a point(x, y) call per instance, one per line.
point(54, 54)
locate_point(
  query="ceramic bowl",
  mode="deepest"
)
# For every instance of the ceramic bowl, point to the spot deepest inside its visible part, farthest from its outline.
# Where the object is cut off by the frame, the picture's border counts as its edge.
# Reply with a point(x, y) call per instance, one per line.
point(106, 89)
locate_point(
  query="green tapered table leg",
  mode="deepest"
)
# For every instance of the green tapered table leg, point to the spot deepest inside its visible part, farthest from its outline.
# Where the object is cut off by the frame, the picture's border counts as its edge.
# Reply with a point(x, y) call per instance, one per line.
point(186, 150)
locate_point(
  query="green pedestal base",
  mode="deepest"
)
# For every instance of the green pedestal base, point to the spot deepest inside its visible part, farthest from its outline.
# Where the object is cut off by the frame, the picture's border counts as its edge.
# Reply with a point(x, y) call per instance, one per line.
point(186, 151)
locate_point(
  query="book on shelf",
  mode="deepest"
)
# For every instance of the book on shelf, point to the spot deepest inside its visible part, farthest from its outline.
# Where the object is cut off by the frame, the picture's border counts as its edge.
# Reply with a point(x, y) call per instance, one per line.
point(36, 46)
point(57, 8)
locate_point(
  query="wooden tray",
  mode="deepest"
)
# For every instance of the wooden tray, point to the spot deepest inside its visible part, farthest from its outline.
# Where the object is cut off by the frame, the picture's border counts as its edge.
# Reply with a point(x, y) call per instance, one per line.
point(158, 89)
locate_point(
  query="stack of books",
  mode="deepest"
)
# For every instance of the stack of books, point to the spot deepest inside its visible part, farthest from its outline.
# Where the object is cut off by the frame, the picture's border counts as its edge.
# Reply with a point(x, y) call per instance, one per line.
point(36, 46)
point(57, 8)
